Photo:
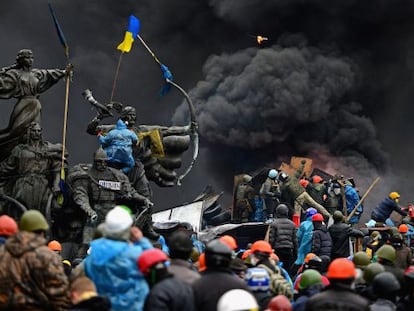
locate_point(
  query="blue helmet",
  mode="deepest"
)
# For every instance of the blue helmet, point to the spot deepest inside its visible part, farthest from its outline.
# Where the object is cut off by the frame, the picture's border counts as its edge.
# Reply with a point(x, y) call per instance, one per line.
point(310, 212)
point(257, 279)
point(272, 173)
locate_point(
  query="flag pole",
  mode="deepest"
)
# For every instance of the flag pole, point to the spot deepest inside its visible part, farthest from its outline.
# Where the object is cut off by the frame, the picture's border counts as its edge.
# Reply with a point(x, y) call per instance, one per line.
point(116, 76)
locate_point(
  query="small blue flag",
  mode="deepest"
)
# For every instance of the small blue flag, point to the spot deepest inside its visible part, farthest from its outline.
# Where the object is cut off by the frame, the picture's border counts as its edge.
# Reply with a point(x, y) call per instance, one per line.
point(166, 73)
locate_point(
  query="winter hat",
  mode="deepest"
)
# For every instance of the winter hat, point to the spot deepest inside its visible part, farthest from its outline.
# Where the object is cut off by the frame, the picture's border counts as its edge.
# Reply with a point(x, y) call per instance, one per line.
point(117, 220)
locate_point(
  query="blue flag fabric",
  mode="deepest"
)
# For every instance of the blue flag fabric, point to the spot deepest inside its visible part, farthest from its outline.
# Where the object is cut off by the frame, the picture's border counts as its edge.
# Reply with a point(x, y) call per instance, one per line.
point(59, 31)
point(166, 73)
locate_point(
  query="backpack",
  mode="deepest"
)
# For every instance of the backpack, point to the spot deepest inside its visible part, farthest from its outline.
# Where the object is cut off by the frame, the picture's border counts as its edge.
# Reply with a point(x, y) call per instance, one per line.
point(278, 284)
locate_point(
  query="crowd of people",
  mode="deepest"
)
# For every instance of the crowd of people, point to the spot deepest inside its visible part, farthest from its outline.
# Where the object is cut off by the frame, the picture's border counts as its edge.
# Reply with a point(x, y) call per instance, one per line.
point(307, 267)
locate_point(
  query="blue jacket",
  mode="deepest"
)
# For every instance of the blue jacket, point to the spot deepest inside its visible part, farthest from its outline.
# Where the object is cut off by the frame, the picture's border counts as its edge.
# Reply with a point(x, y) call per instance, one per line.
point(352, 199)
point(383, 210)
point(112, 266)
point(304, 235)
point(118, 145)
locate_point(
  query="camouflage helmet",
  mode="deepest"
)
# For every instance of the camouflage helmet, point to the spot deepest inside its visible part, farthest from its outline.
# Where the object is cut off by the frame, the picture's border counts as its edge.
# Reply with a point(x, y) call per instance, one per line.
point(310, 277)
point(100, 155)
point(361, 259)
point(371, 271)
point(338, 216)
point(387, 252)
point(33, 220)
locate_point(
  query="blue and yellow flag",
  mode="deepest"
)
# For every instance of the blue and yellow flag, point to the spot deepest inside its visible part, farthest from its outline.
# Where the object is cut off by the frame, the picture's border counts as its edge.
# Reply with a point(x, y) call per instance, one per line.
point(130, 35)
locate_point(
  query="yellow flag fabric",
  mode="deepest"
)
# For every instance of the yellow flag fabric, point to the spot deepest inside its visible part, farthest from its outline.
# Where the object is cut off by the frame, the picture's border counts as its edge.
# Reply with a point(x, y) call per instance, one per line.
point(156, 145)
point(126, 45)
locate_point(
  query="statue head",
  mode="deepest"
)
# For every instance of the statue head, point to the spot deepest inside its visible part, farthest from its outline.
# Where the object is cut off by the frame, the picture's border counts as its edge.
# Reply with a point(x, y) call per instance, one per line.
point(34, 132)
point(25, 57)
point(129, 115)
point(100, 159)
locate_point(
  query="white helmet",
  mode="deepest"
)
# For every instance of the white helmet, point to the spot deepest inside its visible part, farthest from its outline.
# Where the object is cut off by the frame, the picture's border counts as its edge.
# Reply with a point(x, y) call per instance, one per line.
point(272, 173)
point(237, 300)
point(117, 220)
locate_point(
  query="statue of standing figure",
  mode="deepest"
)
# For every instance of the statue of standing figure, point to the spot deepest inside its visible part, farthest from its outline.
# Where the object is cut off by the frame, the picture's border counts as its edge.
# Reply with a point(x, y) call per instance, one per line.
point(25, 83)
point(31, 173)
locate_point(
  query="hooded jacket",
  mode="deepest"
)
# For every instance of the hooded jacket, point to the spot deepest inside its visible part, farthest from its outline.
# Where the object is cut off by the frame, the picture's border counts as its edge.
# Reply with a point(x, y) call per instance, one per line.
point(118, 144)
point(283, 230)
point(321, 242)
point(111, 265)
point(304, 235)
point(31, 275)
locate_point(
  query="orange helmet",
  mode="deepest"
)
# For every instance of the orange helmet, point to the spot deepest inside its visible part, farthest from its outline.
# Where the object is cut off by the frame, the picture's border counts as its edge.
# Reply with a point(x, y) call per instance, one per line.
point(246, 254)
point(229, 241)
point(316, 179)
point(403, 228)
point(54, 246)
point(304, 183)
point(262, 246)
point(7, 226)
point(309, 256)
point(341, 268)
point(202, 262)
point(150, 258)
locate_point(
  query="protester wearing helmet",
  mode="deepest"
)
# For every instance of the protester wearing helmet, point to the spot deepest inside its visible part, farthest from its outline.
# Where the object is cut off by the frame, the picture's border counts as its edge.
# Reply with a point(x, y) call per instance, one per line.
point(304, 236)
point(270, 193)
point(279, 303)
point(27, 263)
point(338, 295)
point(310, 284)
point(260, 257)
point(384, 209)
point(244, 200)
point(386, 288)
point(8, 227)
point(217, 276)
point(294, 193)
point(111, 263)
point(340, 233)
point(321, 239)
point(237, 300)
point(317, 189)
point(258, 281)
point(386, 255)
point(282, 237)
point(166, 291)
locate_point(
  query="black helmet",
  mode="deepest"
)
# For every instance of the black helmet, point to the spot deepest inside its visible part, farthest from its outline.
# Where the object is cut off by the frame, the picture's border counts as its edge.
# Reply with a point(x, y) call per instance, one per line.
point(218, 254)
point(282, 210)
point(385, 285)
point(338, 216)
point(314, 263)
point(180, 245)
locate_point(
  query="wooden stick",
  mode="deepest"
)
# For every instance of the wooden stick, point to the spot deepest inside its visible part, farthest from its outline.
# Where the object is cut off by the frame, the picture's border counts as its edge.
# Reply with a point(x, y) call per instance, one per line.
point(363, 198)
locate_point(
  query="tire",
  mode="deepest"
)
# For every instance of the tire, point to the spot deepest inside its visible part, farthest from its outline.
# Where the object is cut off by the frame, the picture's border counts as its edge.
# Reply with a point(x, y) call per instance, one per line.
point(220, 219)
point(212, 211)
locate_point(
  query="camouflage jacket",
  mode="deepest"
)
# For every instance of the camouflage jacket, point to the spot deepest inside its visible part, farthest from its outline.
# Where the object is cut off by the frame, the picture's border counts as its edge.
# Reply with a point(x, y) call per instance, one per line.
point(31, 275)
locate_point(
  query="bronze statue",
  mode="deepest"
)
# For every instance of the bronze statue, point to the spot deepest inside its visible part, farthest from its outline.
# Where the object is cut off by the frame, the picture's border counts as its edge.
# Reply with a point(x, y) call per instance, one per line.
point(31, 173)
point(97, 188)
point(24, 83)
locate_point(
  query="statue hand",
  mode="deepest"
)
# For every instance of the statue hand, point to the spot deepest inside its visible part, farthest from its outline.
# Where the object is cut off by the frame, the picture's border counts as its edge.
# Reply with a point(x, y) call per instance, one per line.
point(93, 217)
point(148, 203)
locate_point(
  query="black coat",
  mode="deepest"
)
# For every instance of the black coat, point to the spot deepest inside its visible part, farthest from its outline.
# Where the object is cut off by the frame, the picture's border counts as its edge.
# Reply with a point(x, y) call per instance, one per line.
point(340, 233)
point(337, 297)
point(212, 285)
point(97, 303)
point(283, 231)
point(384, 209)
point(170, 294)
point(321, 240)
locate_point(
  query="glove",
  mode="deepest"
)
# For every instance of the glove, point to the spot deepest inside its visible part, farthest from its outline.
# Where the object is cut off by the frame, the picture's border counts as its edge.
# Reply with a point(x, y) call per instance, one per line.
point(93, 217)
